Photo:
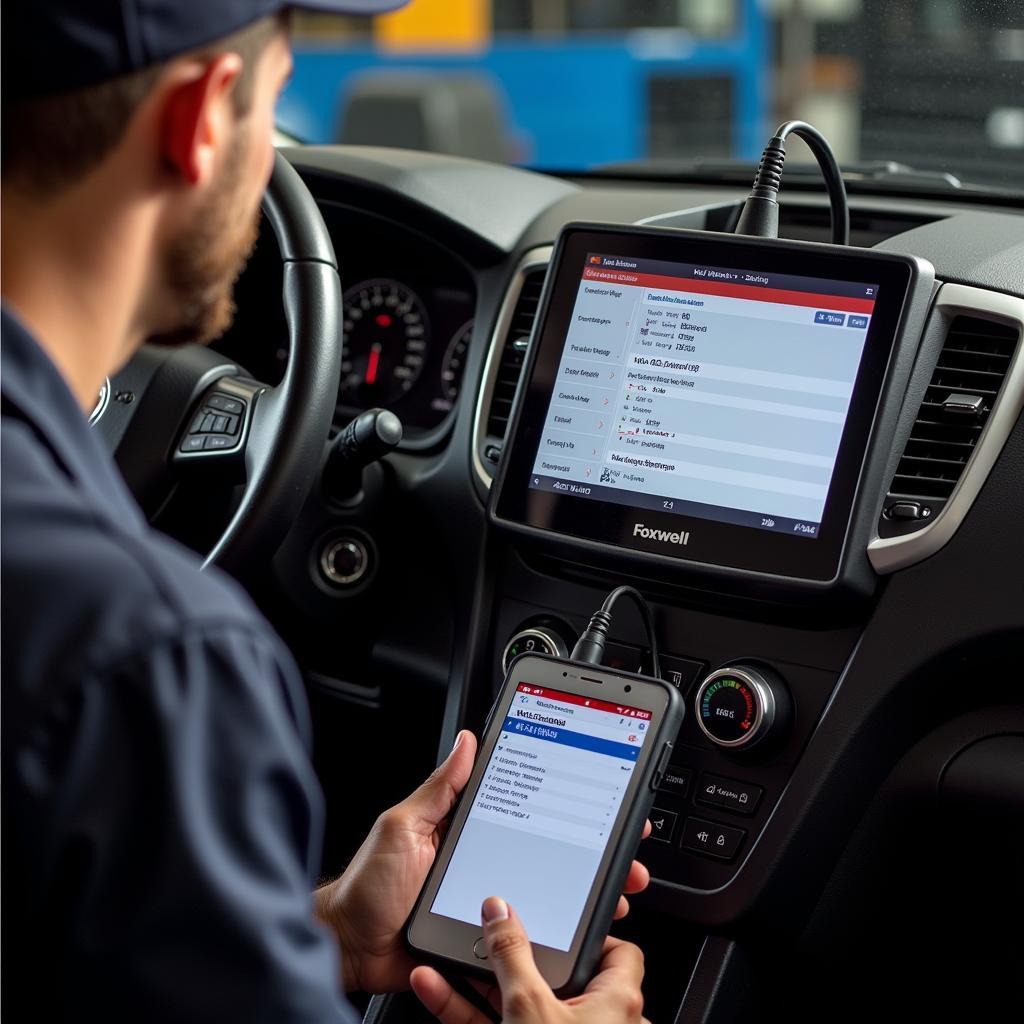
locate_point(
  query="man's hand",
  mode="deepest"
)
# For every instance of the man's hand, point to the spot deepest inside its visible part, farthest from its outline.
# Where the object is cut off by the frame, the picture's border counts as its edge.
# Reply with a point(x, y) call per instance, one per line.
point(369, 904)
point(367, 907)
point(523, 996)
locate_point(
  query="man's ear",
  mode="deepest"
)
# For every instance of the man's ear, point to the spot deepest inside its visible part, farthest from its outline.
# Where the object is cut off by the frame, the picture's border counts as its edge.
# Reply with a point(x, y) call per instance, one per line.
point(197, 116)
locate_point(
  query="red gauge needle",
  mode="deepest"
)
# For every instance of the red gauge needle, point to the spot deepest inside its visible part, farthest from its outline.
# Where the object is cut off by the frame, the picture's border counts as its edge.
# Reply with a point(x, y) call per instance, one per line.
point(373, 363)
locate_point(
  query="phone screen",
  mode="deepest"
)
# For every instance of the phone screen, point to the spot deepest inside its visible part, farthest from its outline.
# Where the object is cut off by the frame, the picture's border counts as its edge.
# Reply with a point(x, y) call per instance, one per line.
point(544, 811)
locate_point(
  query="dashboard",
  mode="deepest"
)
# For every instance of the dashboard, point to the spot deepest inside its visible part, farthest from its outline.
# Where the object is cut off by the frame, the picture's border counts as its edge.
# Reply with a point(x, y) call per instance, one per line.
point(408, 323)
point(892, 699)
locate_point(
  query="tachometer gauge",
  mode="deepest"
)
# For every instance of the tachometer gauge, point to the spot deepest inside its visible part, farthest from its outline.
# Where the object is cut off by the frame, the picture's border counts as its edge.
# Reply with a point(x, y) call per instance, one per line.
point(452, 365)
point(387, 336)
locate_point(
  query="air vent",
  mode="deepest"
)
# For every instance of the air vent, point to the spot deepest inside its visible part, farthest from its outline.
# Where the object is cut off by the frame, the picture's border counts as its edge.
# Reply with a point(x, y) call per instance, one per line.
point(513, 353)
point(970, 372)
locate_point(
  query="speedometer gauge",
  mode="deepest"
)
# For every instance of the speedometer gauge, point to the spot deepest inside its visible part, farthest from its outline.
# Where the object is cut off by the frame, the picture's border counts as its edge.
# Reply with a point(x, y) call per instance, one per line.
point(452, 365)
point(386, 340)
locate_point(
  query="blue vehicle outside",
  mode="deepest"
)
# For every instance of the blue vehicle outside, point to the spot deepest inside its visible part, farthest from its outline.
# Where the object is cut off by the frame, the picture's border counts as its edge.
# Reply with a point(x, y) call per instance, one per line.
point(567, 97)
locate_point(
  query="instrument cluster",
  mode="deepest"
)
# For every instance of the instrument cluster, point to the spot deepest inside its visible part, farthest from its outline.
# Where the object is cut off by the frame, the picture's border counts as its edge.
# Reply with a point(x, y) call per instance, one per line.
point(408, 323)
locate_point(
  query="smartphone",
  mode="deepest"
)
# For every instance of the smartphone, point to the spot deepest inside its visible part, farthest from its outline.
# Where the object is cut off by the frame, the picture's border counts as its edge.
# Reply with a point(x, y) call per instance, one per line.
point(551, 817)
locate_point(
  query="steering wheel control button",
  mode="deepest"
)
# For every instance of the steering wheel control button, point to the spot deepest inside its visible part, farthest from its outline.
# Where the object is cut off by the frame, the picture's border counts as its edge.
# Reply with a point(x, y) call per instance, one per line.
point(676, 781)
point(663, 824)
point(740, 705)
point(741, 797)
point(216, 427)
point(222, 403)
point(480, 949)
point(344, 561)
point(533, 640)
point(710, 839)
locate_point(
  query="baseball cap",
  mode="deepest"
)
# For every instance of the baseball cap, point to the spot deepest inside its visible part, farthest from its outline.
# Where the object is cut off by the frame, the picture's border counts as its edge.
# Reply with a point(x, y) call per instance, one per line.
point(55, 46)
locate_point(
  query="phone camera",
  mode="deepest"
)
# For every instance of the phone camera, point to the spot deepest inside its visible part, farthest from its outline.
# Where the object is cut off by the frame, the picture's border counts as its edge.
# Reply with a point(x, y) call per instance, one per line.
point(628, 687)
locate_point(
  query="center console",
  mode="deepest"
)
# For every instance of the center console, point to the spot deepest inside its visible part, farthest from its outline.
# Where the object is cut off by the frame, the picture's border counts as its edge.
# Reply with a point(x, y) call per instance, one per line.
point(704, 402)
point(699, 414)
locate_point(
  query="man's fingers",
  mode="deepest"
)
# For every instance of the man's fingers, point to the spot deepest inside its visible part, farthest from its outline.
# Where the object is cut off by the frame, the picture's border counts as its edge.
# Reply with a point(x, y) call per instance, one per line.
point(431, 802)
point(442, 1000)
point(524, 992)
point(638, 878)
point(647, 829)
point(621, 909)
point(620, 974)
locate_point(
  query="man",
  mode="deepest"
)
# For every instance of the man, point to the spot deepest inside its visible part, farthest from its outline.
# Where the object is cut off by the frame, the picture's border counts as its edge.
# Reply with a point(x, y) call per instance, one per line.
point(161, 815)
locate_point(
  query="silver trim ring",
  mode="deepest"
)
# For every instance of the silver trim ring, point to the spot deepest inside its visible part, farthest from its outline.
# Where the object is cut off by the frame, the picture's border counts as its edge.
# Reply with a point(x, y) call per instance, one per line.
point(553, 641)
point(891, 553)
point(327, 561)
point(539, 257)
point(763, 719)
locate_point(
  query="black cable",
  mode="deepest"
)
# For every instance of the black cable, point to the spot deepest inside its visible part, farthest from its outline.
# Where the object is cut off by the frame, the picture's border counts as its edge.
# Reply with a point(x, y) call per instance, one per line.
point(590, 646)
point(760, 213)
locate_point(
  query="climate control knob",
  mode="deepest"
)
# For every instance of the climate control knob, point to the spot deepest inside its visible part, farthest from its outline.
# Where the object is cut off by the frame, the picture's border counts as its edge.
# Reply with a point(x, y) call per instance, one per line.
point(741, 705)
point(533, 640)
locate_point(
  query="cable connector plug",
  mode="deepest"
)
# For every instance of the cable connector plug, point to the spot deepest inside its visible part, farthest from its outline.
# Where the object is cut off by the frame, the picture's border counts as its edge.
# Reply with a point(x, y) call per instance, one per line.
point(590, 646)
point(760, 213)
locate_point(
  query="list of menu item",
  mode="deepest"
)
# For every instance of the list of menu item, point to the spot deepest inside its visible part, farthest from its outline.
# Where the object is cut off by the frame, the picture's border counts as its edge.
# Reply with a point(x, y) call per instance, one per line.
point(544, 810)
point(720, 389)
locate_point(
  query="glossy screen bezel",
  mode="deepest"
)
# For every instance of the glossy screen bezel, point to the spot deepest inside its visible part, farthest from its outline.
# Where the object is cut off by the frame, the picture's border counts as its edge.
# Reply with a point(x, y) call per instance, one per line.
point(710, 542)
point(452, 939)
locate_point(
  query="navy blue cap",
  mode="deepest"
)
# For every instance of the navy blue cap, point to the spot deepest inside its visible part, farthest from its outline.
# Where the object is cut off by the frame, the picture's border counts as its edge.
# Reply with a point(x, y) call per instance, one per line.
point(54, 46)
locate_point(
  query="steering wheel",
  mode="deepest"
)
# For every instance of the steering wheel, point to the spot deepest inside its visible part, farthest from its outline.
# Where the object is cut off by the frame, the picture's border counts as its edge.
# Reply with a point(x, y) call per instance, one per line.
point(187, 411)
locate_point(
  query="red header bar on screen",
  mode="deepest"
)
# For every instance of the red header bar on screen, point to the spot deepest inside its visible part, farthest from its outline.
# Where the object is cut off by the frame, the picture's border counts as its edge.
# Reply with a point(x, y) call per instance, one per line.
point(586, 702)
point(734, 291)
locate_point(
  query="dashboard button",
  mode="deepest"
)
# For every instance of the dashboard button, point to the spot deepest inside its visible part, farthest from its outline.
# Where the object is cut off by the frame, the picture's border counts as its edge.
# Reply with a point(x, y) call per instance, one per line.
point(741, 797)
point(680, 672)
point(663, 824)
point(711, 839)
point(676, 780)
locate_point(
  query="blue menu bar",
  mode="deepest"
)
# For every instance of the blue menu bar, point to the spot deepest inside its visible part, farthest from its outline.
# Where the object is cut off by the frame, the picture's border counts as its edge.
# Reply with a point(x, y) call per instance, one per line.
point(571, 739)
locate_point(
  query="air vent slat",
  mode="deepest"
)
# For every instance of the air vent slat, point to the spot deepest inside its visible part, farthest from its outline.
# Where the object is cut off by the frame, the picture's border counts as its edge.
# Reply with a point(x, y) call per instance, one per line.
point(974, 361)
point(513, 353)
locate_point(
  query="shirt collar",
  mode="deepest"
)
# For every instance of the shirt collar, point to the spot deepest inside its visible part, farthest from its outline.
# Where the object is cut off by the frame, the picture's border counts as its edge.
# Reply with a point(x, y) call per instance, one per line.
point(33, 385)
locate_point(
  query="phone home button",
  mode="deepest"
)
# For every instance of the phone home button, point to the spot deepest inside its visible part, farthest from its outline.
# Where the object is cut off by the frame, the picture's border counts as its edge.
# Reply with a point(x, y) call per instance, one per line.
point(480, 949)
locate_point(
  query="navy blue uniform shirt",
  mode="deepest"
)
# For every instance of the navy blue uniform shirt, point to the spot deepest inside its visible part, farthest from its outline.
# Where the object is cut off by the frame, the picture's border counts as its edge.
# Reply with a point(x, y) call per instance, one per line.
point(161, 818)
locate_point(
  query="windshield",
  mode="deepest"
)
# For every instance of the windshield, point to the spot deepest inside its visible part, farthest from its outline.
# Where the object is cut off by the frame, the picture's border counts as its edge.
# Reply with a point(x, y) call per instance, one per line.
point(575, 85)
